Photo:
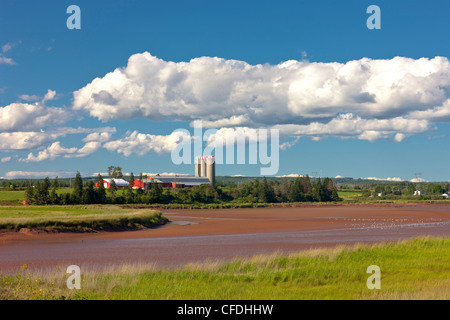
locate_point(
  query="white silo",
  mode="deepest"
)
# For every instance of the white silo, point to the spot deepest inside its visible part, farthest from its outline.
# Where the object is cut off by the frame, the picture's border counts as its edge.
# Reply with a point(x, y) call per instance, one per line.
point(197, 166)
point(211, 169)
point(203, 166)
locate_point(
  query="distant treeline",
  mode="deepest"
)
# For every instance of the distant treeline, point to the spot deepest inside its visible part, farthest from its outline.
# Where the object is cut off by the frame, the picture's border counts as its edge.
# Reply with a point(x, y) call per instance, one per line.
point(21, 184)
point(406, 190)
point(228, 181)
point(256, 191)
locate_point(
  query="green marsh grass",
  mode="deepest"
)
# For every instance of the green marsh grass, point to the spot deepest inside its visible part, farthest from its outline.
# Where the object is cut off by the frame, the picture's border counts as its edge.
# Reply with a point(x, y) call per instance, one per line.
point(410, 269)
point(77, 218)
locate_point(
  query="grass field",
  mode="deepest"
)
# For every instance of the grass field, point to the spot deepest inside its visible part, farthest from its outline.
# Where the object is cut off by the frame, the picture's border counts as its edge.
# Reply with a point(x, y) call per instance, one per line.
point(11, 197)
point(349, 195)
point(78, 218)
point(413, 269)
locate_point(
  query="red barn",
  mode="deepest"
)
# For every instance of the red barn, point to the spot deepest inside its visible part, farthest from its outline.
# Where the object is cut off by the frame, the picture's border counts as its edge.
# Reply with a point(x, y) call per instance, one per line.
point(120, 183)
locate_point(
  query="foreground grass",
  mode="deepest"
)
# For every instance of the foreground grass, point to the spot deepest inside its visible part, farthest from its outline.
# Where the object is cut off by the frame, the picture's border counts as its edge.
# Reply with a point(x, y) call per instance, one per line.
point(77, 218)
point(413, 269)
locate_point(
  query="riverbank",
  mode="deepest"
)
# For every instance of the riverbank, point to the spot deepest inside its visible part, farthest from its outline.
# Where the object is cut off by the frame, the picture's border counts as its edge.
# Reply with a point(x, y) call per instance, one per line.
point(380, 203)
point(412, 269)
point(52, 219)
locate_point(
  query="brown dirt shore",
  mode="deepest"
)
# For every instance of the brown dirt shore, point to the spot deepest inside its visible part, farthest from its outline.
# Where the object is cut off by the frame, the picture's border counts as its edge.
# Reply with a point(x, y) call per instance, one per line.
point(277, 218)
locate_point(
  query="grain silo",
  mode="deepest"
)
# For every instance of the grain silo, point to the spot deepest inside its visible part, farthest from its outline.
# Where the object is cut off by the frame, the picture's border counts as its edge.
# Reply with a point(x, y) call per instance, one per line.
point(211, 169)
point(197, 166)
point(203, 166)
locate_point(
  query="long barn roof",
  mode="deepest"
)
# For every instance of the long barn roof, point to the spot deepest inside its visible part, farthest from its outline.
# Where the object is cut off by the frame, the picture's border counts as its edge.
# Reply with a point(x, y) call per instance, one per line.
point(186, 180)
point(119, 182)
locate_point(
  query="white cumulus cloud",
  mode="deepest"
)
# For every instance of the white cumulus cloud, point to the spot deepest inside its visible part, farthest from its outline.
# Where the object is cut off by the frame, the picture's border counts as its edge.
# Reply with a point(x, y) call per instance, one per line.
point(29, 117)
point(33, 174)
point(29, 140)
point(56, 151)
point(98, 136)
point(141, 143)
point(385, 179)
point(440, 113)
point(418, 180)
point(50, 95)
point(348, 125)
point(381, 95)
point(10, 141)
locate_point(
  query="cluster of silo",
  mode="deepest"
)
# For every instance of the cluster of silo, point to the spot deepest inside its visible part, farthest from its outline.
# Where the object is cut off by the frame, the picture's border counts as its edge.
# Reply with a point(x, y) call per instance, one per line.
point(206, 167)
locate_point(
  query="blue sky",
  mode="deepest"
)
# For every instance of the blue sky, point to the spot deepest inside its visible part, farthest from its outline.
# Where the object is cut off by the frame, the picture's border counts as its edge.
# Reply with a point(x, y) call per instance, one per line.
point(318, 92)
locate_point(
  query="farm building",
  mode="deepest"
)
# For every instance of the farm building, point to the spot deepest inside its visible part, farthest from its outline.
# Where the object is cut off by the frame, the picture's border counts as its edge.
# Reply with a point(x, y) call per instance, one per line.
point(120, 183)
point(205, 173)
point(171, 181)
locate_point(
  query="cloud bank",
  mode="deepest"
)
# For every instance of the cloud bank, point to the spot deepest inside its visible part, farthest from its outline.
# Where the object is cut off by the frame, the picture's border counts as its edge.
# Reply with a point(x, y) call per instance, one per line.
point(366, 99)
point(23, 127)
point(33, 174)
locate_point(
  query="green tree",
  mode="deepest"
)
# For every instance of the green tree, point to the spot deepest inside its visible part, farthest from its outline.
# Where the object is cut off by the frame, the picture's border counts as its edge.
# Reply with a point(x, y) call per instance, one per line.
point(67, 199)
point(42, 192)
point(335, 195)
point(132, 178)
point(284, 188)
point(379, 188)
point(254, 189)
point(129, 194)
point(89, 194)
point(306, 187)
point(156, 192)
point(29, 194)
point(118, 173)
point(112, 191)
point(115, 172)
point(411, 188)
point(327, 190)
point(319, 191)
point(296, 191)
point(101, 192)
point(265, 192)
point(54, 198)
point(77, 193)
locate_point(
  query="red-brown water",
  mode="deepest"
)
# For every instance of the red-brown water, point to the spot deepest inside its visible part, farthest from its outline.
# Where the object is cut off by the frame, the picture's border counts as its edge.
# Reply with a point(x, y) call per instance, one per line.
point(199, 235)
